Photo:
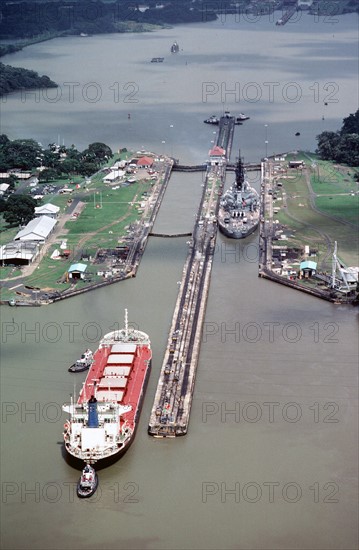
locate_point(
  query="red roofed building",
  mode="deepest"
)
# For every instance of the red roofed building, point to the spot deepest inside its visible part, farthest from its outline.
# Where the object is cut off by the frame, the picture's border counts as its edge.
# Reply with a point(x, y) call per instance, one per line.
point(144, 162)
point(217, 154)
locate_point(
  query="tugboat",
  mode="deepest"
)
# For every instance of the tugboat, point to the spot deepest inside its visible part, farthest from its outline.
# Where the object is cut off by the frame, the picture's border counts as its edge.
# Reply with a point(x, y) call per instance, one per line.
point(238, 214)
point(88, 482)
point(212, 120)
point(241, 117)
point(83, 363)
point(175, 47)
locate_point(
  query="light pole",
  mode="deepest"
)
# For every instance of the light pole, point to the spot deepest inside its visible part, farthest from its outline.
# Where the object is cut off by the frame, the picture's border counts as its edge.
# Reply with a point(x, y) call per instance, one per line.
point(171, 138)
point(266, 138)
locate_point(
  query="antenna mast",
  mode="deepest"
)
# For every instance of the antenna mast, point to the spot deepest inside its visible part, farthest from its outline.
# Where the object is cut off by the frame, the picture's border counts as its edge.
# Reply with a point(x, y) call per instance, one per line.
point(334, 264)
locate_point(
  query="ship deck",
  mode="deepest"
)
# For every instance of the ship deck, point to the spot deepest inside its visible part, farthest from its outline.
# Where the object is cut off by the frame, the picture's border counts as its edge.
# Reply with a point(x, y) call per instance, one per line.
point(136, 379)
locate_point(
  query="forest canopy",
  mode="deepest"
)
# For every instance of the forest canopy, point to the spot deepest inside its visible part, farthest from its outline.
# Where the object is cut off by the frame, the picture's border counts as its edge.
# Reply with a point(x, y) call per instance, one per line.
point(341, 146)
point(16, 78)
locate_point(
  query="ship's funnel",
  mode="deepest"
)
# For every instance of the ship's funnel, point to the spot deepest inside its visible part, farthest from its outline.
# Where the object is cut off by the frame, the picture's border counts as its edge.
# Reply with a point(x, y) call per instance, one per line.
point(92, 415)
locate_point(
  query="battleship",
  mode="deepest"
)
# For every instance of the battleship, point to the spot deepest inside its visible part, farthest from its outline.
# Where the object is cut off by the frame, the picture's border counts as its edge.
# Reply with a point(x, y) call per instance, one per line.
point(104, 419)
point(238, 214)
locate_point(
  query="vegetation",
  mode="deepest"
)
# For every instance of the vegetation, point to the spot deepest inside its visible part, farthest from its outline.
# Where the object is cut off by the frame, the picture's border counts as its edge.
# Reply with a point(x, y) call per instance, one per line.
point(75, 17)
point(19, 210)
point(16, 78)
point(341, 146)
point(9, 48)
point(27, 154)
point(320, 218)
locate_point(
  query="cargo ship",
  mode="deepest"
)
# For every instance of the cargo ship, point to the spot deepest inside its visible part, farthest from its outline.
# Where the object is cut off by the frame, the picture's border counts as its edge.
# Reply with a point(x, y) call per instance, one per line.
point(103, 421)
point(238, 214)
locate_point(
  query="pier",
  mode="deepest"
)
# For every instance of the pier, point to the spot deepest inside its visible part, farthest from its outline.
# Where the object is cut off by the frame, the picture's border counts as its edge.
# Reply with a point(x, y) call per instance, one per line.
point(286, 16)
point(172, 404)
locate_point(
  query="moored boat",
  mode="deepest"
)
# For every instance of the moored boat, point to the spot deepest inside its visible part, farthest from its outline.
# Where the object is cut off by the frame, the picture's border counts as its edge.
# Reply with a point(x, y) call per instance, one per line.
point(238, 214)
point(88, 482)
point(212, 120)
point(103, 421)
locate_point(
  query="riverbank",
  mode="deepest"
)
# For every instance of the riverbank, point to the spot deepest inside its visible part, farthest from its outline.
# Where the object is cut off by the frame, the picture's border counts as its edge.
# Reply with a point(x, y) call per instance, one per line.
point(18, 44)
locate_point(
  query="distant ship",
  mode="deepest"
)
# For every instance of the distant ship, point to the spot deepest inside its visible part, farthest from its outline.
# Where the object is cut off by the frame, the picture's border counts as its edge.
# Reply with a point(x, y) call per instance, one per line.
point(241, 117)
point(238, 214)
point(212, 120)
point(104, 419)
point(175, 47)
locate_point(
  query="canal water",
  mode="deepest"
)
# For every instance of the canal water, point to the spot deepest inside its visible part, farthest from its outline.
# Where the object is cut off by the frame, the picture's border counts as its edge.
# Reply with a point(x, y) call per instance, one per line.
point(270, 459)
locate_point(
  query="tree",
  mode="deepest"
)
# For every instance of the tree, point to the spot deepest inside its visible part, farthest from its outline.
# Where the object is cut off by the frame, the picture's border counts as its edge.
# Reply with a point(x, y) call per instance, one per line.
point(347, 151)
point(98, 151)
point(20, 153)
point(87, 168)
point(19, 209)
point(70, 166)
point(49, 174)
point(327, 142)
point(351, 124)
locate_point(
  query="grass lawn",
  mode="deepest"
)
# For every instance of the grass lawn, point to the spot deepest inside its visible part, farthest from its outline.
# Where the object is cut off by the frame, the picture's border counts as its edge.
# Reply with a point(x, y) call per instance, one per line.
point(310, 226)
point(102, 223)
point(346, 207)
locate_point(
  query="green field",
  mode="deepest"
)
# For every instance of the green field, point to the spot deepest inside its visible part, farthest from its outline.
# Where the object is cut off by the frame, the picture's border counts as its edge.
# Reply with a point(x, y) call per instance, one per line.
point(337, 214)
point(102, 223)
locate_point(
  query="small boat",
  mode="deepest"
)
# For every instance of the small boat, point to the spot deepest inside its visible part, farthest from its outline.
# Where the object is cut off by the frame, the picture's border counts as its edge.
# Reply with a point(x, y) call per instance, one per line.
point(83, 363)
point(241, 117)
point(88, 482)
point(212, 120)
point(297, 133)
point(174, 48)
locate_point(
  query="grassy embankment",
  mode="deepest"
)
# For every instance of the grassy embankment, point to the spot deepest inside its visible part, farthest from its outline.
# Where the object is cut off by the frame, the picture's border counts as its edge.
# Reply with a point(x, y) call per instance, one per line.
point(102, 223)
point(334, 206)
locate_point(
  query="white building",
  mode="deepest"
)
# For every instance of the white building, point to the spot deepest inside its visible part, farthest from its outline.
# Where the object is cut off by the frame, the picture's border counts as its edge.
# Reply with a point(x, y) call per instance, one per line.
point(3, 188)
point(114, 176)
point(37, 230)
point(18, 253)
point(47, 210)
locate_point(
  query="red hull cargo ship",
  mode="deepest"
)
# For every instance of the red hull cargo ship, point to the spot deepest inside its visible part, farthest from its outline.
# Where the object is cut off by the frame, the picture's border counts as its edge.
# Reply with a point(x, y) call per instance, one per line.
point(103, 421)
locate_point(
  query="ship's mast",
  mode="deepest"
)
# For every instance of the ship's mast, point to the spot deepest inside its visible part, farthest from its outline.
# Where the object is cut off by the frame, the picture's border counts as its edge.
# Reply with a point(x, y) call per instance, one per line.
point(239, 173)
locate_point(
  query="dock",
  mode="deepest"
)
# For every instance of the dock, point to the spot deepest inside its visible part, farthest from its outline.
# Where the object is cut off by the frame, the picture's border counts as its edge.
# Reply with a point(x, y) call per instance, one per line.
point(286, 16)
point(172, 404)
